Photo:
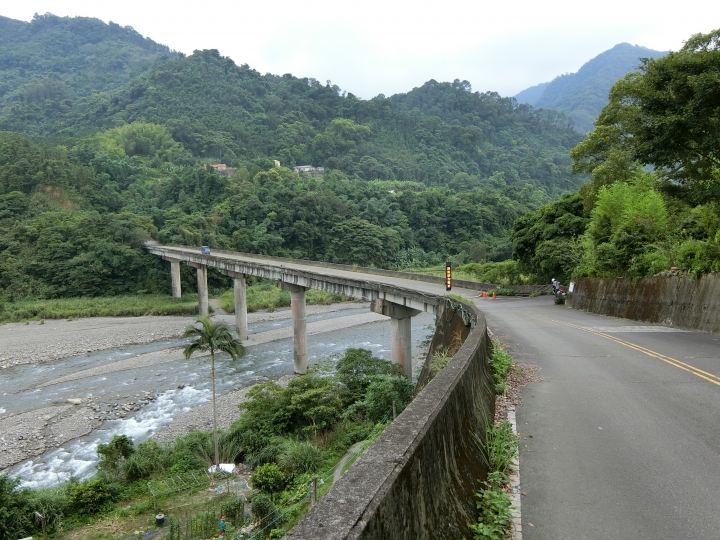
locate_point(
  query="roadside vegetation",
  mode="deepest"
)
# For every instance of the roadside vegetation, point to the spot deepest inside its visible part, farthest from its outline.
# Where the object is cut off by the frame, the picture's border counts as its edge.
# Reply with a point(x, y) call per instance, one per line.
point(500, 451)
point(287, 435)
point(498, 273)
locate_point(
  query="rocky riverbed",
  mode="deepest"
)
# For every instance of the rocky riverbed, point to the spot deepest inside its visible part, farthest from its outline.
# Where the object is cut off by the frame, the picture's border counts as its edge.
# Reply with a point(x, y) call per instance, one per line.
point(34, 431)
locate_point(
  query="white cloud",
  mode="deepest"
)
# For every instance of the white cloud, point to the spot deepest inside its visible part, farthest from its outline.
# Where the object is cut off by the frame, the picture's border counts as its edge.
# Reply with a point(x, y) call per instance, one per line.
point(391, 46)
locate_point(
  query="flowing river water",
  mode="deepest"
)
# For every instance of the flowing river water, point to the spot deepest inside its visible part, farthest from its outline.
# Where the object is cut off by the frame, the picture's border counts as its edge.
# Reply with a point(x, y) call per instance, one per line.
point(179, 386)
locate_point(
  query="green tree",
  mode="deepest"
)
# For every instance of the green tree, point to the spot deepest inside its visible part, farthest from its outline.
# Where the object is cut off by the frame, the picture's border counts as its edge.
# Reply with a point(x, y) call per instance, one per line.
point(626, 230)
point(545, 242)
point(212, 337)
point(268, 478)
point(667, 116)
point(112, 454)
point(15, 513)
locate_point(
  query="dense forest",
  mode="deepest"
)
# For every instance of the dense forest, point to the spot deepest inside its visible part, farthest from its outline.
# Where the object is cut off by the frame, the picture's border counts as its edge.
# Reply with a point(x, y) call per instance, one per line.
point(86, 176)
point(582, 95)
point(50, 63)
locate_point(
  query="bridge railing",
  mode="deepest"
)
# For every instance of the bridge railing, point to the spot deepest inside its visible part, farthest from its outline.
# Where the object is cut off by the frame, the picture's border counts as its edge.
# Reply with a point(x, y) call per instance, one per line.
point(463, 283)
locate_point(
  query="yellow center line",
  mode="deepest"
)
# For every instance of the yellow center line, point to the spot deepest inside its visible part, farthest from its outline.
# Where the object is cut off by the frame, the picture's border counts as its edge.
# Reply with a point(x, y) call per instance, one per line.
point(710, 377)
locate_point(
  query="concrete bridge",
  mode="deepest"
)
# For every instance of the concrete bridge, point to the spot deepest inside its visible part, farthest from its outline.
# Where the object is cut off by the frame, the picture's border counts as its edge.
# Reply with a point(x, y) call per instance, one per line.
point(387, 295)
point(418, 479)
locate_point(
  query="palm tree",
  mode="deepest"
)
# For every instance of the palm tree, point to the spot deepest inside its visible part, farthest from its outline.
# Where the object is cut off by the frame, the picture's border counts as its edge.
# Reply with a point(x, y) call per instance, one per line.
point(213, 337)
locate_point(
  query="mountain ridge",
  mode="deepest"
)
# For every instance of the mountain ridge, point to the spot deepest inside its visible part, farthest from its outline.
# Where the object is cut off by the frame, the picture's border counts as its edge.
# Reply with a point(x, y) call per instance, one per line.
point(583, 94)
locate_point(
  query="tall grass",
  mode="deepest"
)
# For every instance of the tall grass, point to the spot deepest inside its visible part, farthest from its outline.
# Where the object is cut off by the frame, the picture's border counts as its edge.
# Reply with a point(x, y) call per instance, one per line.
point(265, 295)
point(114, 306)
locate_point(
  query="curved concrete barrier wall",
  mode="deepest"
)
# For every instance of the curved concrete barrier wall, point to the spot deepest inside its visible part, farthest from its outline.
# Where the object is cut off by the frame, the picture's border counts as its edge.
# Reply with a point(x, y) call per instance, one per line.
point(671, 300)
point(418, 479)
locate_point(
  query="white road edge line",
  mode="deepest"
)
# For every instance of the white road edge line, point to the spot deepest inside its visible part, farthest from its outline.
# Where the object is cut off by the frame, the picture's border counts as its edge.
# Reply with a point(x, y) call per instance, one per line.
point(515, 494)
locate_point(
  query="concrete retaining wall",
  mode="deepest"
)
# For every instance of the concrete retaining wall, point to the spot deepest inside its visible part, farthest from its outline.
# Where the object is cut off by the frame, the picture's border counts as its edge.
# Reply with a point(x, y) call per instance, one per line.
point(673, 300)
point(418, 479)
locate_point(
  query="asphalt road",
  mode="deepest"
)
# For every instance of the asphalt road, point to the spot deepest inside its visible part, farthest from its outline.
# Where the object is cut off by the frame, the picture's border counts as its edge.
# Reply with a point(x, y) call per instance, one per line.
point(622, 438)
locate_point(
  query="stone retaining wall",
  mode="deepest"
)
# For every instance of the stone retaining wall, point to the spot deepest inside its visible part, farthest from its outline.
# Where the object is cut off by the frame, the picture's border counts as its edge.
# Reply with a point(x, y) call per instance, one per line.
point(418, 479)
point(673, 300)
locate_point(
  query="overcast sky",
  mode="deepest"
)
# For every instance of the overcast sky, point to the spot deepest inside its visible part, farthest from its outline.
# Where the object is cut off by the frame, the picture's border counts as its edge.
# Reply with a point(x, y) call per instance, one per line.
point(389, 46)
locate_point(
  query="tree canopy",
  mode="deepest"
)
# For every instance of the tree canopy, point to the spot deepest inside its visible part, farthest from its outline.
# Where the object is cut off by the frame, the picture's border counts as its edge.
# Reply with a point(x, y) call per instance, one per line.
point(666, 116)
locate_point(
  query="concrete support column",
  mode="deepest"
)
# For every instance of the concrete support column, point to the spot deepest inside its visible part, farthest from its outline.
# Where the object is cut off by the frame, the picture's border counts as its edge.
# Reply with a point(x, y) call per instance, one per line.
point(202, 289)
point(174, 276)
point(401, 333)
point(241, 320)
point(300, 344)
point(401, 344)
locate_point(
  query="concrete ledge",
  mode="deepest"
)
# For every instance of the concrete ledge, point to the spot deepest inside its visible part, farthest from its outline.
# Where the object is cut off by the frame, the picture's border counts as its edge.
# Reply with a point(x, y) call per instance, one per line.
point(418, 479)
point(675, 300)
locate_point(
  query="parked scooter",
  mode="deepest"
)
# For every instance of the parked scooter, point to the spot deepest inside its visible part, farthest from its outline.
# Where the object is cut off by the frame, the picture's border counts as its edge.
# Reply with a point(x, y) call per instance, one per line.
point(558, 292)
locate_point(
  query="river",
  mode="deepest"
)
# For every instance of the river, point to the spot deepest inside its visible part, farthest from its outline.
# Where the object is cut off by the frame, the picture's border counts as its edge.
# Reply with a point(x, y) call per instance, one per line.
point(179, 386)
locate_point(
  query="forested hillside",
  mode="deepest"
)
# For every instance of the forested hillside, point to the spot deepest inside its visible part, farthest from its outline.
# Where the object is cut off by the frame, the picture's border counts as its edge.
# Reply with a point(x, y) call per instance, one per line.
point(231, 113)
point(72, 220)
point(439, 172)
point(49, 64)
point(582, 95)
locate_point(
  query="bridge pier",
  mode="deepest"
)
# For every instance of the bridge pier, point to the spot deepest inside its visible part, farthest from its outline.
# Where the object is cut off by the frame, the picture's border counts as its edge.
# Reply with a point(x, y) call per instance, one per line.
point(400, 332)
point(300, 344)
point(241, 321)
point(175, 276)
point(202, 288)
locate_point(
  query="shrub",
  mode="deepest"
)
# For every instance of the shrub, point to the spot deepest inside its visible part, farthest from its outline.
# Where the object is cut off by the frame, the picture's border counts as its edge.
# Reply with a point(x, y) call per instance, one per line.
point(234, 510)
point(268, 478)
point(262, 507)
point(504, 292)
point(298, 457)
point(119, 448)
point(94, 496)
point(347, 434)
point(381, 393)
point(14, 509)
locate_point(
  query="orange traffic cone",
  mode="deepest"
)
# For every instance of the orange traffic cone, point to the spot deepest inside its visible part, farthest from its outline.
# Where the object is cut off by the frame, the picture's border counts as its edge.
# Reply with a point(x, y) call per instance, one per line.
point(494, 297)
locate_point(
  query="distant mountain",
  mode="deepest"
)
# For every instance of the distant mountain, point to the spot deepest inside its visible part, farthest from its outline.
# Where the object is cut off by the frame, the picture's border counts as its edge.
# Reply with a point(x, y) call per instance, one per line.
point(532, 95)
point(582, 95)
point(48, 63)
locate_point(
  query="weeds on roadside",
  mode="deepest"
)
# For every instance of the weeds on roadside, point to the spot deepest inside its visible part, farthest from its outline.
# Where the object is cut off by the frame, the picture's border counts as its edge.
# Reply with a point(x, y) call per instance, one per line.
point(500, 364)
point(500, 451)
